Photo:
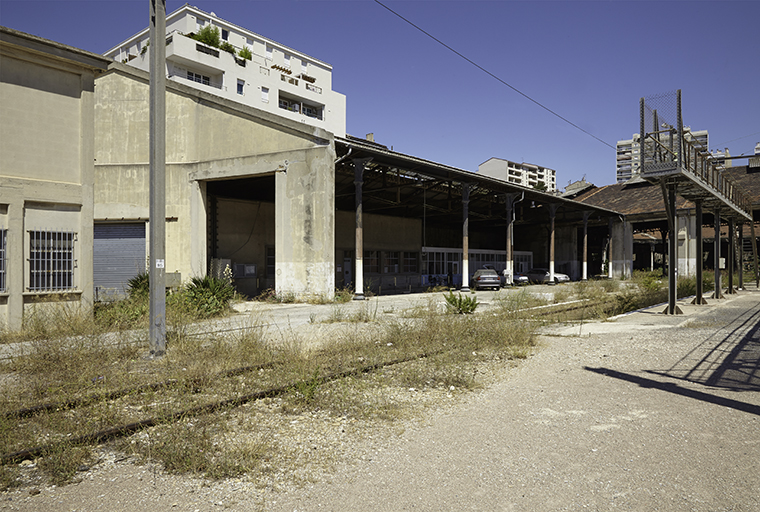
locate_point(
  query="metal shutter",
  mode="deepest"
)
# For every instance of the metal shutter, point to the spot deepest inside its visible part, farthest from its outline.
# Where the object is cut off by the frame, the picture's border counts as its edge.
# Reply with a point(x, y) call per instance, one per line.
point(118, 255)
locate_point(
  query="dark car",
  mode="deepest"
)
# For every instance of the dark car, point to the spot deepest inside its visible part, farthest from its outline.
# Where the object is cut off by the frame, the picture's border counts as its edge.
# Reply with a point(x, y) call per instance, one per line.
point(486, 278)
point(541, 275)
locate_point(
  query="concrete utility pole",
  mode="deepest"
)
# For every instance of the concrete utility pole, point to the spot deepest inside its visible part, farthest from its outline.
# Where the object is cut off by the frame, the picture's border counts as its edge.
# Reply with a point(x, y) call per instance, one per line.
point(157, 261)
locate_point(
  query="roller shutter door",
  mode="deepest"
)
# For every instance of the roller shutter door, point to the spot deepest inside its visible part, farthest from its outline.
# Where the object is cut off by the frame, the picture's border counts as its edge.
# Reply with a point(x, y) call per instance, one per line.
point(118, 255)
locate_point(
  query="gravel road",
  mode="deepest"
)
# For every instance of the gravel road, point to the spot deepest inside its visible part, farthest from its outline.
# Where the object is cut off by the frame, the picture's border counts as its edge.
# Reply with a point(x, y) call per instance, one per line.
point(646, 412)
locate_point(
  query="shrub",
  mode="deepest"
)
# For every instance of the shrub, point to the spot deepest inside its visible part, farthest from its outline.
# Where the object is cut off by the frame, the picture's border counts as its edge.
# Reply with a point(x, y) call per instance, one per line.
point(461, 304)
point(138, 287)
point(208, 35)
point(245, 53)
point(227, 47)
point(209, 296)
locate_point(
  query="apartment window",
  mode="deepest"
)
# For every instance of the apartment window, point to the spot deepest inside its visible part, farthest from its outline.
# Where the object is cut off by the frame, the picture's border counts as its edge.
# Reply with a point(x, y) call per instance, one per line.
point(304, 66)
point(391, 262)
point(287, 60)
point(225, 34)
point(265, 94)
point(201, 22)
point(51, 260)
point(410, 262)
point(269, 52)
point(371, 262)
point(240, 86)
point(3, 239)
point(197, 77)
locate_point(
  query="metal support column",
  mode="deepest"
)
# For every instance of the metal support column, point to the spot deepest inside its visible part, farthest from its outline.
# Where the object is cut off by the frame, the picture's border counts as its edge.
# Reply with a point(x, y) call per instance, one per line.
point(553, 207)
point(359, 252)
point(754, 252)
point(670, 206)
point(509, 270)
point(609, 248)
point(718, 293)
point(740, 255)
point(465, 237)
point(157, 171)
point(731, 259)
point(699, 299)
point(584, 276)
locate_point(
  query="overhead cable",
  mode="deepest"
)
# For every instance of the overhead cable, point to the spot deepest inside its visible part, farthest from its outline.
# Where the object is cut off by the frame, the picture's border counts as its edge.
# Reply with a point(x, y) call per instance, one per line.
point(494, 76)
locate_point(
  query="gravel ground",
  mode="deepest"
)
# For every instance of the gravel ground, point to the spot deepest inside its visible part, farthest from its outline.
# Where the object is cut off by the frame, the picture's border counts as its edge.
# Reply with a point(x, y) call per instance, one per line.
point(646, 412)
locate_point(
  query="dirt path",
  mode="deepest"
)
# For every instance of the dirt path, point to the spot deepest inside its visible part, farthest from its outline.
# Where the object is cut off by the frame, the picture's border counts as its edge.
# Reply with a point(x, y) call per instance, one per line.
point(645, 413)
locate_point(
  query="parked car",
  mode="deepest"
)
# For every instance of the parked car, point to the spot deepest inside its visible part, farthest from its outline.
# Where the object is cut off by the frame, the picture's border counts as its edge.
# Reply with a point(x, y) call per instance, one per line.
point(520, 278)
point(486, 278)
point(517, 278)
point(541, 275)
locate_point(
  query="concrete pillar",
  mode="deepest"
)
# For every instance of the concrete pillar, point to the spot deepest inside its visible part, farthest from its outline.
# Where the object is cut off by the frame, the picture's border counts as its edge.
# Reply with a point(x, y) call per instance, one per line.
point(358, 182)
point(198, 229)
point(584, 276)
point(552, 215)
point(718, 293)
point(157, 260)
point(465, 237)
point(14, 277)
point(304, 230)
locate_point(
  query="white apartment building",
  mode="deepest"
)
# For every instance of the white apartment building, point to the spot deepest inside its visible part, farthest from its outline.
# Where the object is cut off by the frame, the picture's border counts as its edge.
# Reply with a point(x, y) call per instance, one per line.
point(629, 155)
point(276, 78)
point(527, 175)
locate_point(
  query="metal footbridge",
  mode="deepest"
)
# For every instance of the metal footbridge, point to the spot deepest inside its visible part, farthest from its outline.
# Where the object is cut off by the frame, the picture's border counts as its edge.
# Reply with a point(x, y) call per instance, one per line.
point(673, 157)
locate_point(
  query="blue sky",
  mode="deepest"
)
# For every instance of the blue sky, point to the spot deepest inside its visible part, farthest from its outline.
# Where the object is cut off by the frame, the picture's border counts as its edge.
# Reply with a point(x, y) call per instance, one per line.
point(589, 62)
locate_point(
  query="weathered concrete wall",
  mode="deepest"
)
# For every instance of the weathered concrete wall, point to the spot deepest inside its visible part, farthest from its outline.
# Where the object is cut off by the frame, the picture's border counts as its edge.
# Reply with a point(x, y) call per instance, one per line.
point(381, 232)
point(46, 162)
point(305, 225)
point(209, 138)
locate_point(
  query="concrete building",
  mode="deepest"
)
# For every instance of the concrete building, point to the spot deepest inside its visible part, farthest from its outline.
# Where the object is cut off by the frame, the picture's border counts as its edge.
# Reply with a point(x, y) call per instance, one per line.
point(246, 67)
point(523, 174)
point(628, 159)
point(244, 187)
point(46, 174)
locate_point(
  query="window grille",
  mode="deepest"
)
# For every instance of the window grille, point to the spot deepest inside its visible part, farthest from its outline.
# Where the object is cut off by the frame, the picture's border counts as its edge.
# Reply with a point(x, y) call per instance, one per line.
point(371, 262)
point(3, 238)
point(51, 260)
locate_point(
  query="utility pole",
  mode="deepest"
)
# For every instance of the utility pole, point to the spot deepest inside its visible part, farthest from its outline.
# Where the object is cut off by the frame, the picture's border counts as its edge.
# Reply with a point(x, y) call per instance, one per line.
point(157, 248)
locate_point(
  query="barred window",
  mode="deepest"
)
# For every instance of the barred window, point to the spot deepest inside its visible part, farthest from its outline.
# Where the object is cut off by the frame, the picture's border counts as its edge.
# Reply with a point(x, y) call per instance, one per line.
point(410, 262)
point(391, 262)
point(3, 238)
point(51, 260)
point(371, 262)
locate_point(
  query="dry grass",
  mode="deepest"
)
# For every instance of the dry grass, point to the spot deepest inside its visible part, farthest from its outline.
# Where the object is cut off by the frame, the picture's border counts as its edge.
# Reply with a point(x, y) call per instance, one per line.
point(430, 350)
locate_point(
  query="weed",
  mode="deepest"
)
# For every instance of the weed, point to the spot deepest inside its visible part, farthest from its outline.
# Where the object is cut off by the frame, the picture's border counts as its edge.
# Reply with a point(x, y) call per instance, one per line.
point(461, 304)
point(62, 462)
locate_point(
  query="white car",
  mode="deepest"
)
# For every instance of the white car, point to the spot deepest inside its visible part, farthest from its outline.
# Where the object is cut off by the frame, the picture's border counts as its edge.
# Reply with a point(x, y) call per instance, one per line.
point(541, 275)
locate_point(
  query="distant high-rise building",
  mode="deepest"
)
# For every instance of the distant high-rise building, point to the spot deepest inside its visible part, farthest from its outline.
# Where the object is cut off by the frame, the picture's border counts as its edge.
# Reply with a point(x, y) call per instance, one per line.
point(527, 175)
point(629, 153)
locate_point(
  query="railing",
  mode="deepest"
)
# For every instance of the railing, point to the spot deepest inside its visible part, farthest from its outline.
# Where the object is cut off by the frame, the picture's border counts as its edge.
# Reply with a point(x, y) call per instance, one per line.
point(695, 161)
point(210, 83)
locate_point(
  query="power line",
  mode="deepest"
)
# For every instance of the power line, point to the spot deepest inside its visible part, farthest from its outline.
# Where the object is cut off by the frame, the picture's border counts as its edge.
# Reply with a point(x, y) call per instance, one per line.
point(494, 76)
point(738, 138)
